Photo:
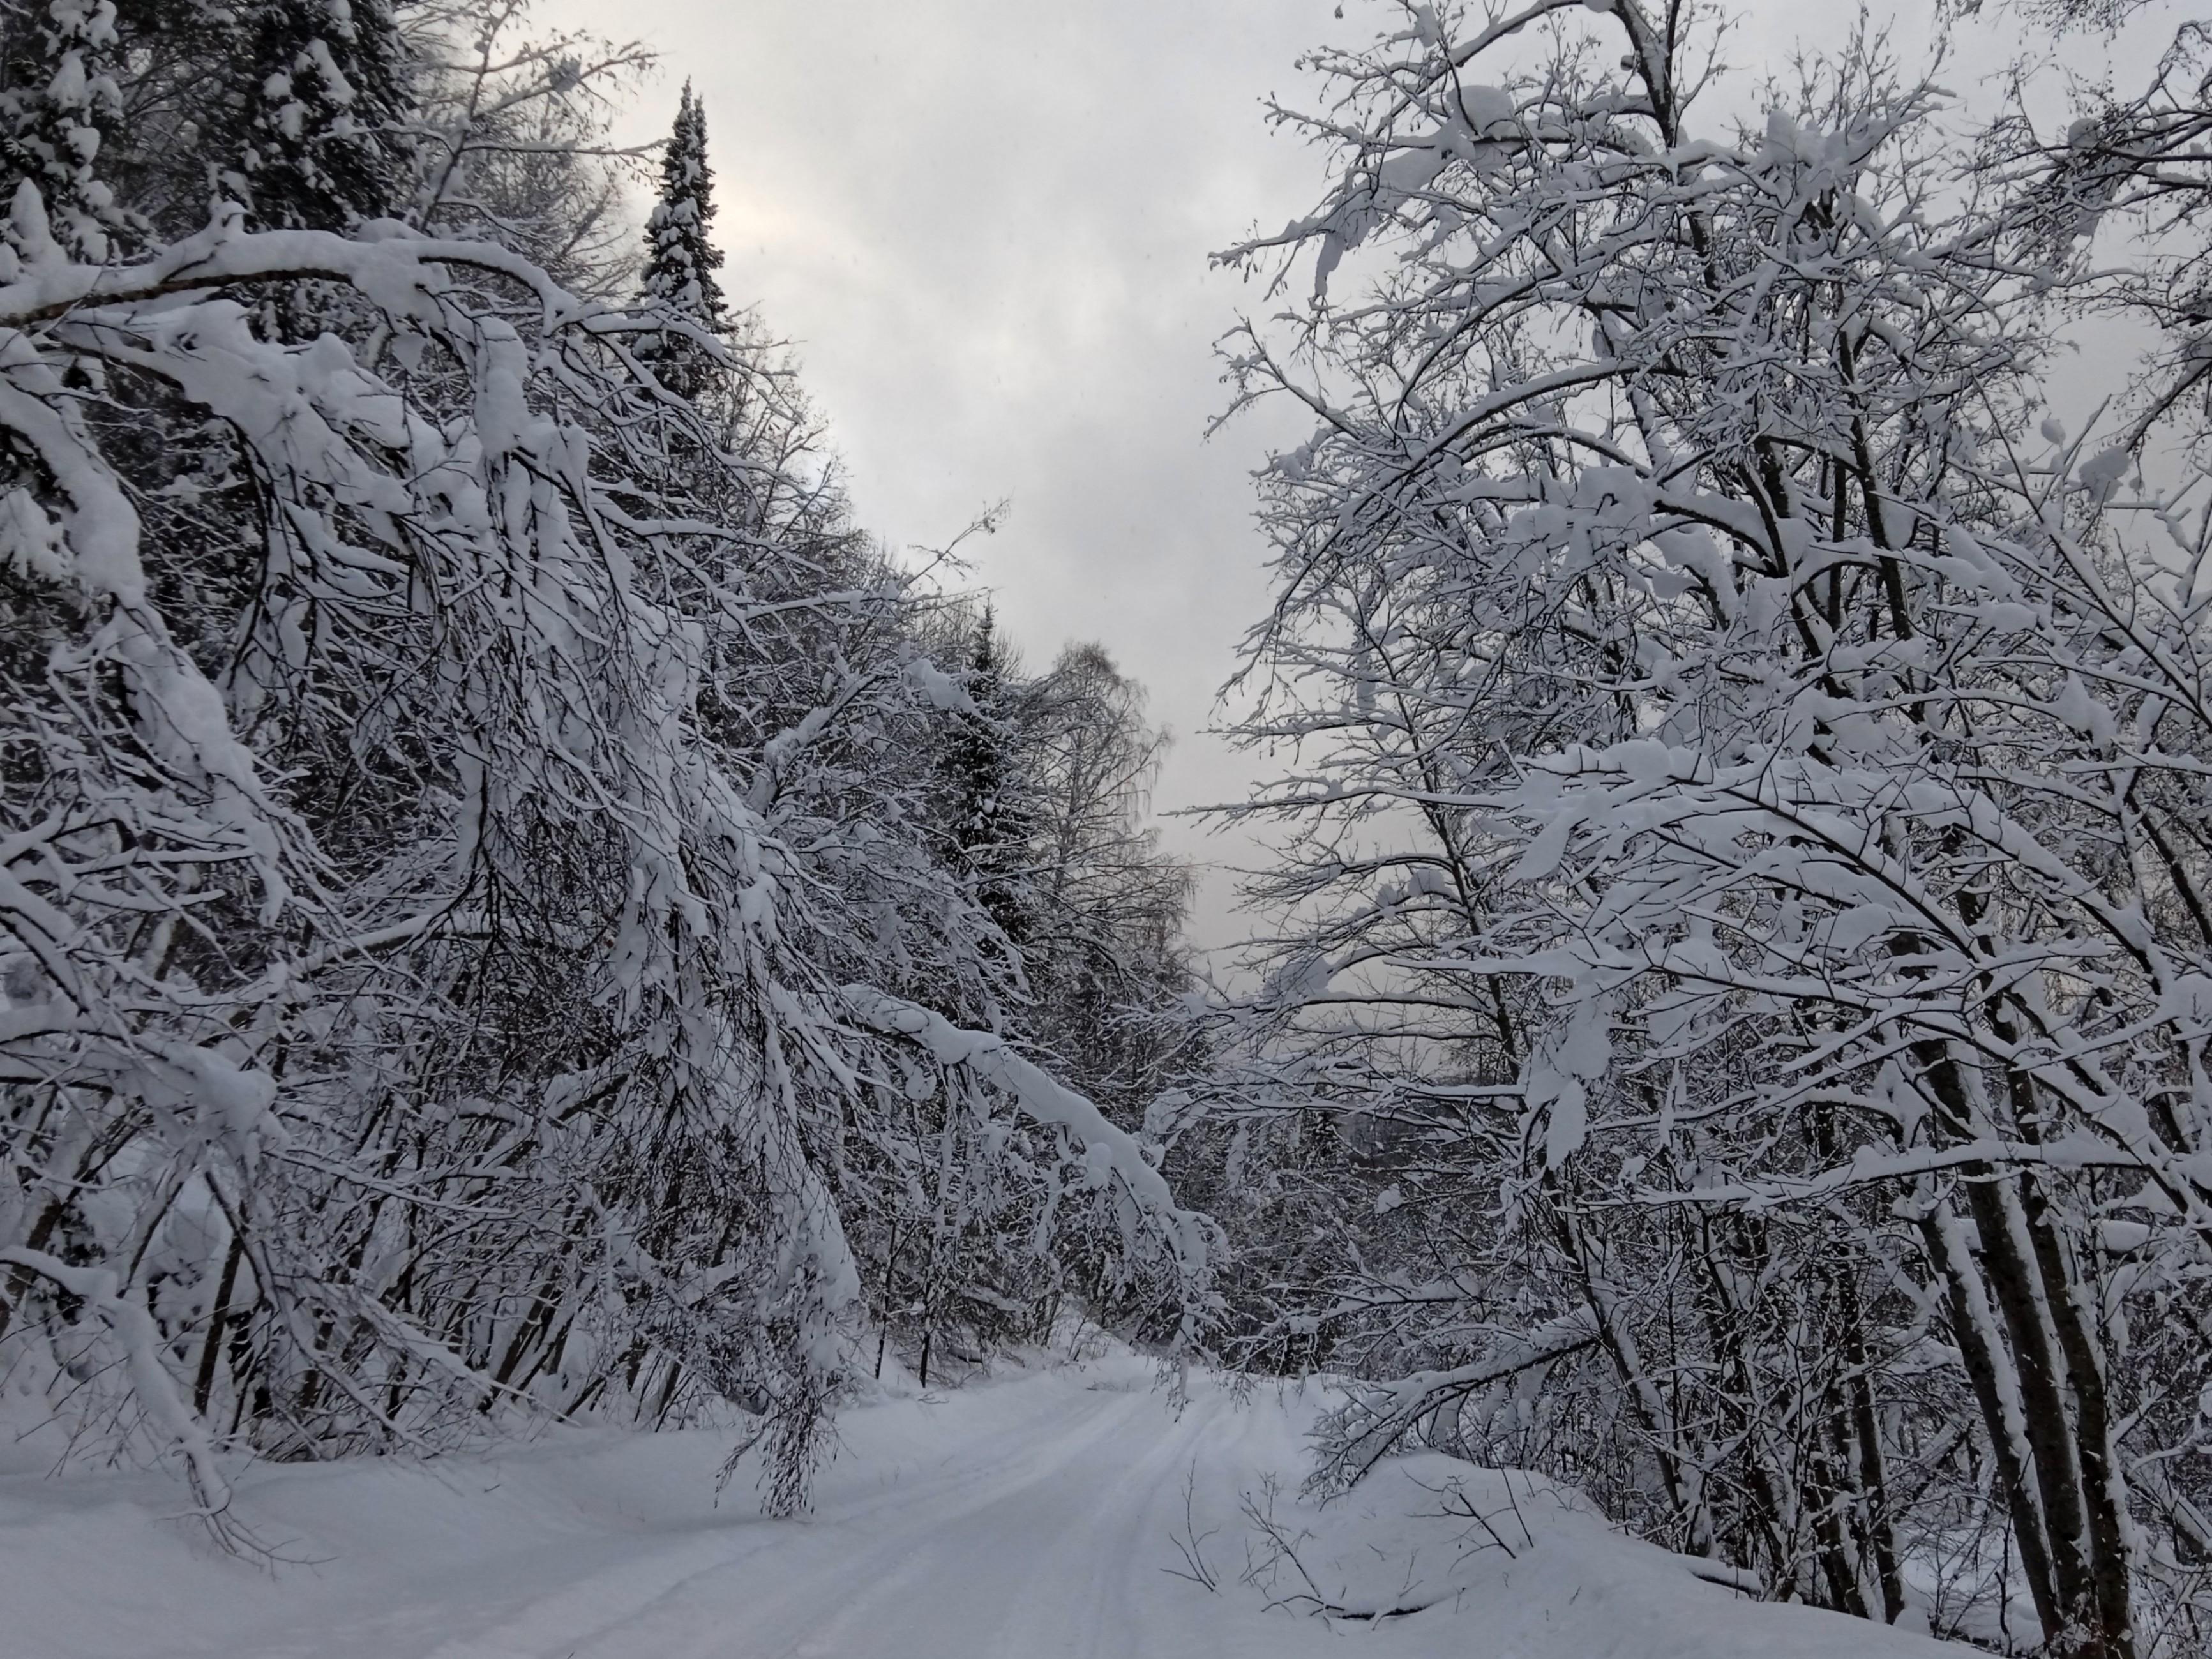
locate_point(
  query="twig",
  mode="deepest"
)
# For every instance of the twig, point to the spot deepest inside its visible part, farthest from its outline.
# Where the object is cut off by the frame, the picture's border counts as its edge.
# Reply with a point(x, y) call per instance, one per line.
point(1190, 1543)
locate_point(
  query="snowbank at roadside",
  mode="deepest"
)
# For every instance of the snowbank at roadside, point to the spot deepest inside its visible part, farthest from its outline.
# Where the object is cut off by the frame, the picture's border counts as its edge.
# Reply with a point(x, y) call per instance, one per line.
point(1436, 1550)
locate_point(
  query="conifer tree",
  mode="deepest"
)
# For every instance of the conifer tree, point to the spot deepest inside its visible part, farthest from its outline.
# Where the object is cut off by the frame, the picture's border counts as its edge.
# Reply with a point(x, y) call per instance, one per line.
point(317, 139)
point(680, 261)
point(988, 824)
point(58, 90)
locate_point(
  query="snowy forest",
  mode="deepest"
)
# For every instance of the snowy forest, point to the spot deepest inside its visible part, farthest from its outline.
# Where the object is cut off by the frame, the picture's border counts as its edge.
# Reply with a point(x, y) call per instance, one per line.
point(519, 911)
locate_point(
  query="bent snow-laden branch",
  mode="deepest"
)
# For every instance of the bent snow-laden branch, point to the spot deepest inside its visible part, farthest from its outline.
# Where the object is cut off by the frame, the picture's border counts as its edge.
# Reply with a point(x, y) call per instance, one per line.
point(1110, 1154)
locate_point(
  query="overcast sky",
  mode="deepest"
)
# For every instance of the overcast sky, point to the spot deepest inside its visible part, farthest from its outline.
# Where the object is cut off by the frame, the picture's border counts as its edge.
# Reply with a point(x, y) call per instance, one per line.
point(986, 224)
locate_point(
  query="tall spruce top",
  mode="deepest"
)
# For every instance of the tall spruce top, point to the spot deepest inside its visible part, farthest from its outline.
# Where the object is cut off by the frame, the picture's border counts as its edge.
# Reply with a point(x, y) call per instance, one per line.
point(680, 261)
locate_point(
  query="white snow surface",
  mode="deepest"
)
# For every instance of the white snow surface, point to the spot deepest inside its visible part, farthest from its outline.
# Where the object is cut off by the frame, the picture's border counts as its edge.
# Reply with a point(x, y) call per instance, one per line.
point(1034, 1513)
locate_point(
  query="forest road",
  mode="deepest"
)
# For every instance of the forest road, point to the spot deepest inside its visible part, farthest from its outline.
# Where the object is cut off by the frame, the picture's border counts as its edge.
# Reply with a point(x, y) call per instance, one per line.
point(1051, 1534)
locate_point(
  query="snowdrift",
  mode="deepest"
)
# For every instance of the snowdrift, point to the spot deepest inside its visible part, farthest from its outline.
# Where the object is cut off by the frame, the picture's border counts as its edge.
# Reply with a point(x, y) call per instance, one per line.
point(1443, 1550)
point(1043, 1511)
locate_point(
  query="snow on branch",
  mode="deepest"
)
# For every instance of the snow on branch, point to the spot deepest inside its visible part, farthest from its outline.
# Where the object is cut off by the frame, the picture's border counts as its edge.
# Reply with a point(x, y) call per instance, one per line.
point(157, 1394)
point(1376, 1418)
point(1109, 1153)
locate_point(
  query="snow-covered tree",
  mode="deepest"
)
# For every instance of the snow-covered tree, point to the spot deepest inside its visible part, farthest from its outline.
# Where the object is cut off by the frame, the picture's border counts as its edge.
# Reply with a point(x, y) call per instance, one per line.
point(2129, 170)
point(59, 101)
point(319, 139)
point(681, 258)
point(1102, 951)
point(986, 794)
point(1738, 904)
point(513, 138)
point(471, 924)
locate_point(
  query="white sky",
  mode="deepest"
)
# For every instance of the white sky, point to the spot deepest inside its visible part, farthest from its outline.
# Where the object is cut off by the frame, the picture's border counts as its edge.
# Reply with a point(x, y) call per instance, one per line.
point(986, 223)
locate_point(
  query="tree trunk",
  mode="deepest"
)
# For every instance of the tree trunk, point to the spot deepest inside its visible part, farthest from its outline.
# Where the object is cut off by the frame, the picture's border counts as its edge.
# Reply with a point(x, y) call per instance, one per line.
point(1988, 1371)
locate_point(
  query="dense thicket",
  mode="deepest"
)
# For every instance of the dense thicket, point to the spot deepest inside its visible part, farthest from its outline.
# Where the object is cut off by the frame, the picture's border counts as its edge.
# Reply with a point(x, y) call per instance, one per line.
point(1734, 1033)
point(477, 940)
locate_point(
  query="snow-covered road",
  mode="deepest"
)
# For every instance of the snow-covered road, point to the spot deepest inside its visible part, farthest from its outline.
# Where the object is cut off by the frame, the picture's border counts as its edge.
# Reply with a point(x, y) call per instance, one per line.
point(1053, 1545)
point(1046, 1537)
point(1021, 1519)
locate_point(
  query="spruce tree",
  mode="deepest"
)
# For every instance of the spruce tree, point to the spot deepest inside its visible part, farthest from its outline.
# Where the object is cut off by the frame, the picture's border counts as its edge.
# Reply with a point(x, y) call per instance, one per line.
point(680, 261)
point(318, 130)
point(58, 90)
point(990, 827)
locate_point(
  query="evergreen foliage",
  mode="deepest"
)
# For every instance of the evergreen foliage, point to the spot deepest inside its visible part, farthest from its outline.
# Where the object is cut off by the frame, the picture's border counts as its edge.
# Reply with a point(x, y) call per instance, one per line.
point(317, 133)
point(57, 105)
point(990, 823)
point(681, 258)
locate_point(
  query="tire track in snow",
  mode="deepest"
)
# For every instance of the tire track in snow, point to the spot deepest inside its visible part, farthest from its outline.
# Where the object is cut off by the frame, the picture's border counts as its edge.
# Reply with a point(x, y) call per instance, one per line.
point(769, 1588)
point(1042, 1567)
point(1092, 1597)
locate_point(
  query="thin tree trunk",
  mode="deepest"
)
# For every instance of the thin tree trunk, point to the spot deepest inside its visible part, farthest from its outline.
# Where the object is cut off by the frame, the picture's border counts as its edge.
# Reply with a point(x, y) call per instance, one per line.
point(2097, 1457)
point(218, 1316)
point(2018, 1288)
point(1974, 1329)
point(1873, 1473)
